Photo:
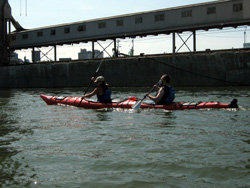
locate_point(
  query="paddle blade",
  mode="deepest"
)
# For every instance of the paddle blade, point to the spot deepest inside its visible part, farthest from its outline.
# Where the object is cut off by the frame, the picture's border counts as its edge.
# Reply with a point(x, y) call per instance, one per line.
point(137, 105)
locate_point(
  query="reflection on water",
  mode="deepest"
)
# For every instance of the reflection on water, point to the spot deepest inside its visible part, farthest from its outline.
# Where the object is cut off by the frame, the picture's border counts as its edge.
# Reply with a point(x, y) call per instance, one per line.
point(102, 116)
point(8, 135)
point(65, 146)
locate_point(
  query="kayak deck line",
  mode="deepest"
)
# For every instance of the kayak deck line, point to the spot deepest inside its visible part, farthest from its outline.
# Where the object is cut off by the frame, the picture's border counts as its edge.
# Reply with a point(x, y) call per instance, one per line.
point(130, 101)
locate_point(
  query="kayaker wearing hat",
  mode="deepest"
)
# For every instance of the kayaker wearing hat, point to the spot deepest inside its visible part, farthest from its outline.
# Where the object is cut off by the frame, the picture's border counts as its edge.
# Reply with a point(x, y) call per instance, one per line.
point(102, 91)
point(166, 93)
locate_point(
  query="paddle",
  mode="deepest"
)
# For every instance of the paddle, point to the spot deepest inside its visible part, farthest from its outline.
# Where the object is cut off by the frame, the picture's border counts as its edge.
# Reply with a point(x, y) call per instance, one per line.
point(91, 82)
point(137, 105)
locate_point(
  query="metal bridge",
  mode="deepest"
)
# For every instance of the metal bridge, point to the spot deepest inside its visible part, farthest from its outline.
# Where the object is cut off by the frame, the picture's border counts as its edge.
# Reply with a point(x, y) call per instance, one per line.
point(203, 16)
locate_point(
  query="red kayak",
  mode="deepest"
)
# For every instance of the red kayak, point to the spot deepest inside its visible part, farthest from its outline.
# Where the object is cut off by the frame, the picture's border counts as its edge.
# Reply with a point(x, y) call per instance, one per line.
point(129, 102)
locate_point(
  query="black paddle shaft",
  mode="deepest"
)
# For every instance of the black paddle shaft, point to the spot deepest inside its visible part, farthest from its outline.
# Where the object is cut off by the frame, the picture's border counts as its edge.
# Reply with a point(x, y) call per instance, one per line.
point(149, 92)
point(90, 82)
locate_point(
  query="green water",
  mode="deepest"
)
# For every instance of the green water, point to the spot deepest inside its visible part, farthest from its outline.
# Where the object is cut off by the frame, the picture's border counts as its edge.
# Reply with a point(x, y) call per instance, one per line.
point(63, 146)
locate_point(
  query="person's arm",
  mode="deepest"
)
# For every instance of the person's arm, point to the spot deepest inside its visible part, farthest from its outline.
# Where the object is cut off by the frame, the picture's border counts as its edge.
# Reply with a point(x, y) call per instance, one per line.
point(158, 97)
point(157, 87)
point(90, 94)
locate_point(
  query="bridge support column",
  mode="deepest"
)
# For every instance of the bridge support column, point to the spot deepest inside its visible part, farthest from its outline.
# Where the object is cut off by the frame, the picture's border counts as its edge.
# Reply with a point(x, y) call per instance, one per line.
point(55, 54)
point(115, 53)
point(174, 47)
point(3, 34)
point(194, 42)
point(93, 49)
point(33, 55)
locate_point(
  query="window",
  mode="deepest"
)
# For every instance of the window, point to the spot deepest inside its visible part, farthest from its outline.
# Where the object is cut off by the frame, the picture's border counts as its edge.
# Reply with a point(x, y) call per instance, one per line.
point(102, 25)
point(81, 28)
point(138, 20)
point(159, 17)
point(119, 22)
point(67, 30)
point(211, 10)
point(237, 7)
point(39, 34)
point(53, 32)
point(186, 13)
point(13, 37)
point(25, 36)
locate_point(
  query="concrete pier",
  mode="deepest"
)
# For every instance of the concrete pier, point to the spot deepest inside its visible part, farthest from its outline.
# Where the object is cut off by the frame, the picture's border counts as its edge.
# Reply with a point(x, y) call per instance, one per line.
point(225, 68)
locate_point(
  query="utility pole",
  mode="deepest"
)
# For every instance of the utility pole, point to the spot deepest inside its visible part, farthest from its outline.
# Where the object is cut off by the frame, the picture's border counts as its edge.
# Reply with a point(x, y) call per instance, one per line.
point(131, 51)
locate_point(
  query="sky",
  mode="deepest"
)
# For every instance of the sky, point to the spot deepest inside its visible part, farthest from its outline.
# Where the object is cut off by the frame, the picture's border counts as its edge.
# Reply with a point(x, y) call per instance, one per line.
point(37, 13)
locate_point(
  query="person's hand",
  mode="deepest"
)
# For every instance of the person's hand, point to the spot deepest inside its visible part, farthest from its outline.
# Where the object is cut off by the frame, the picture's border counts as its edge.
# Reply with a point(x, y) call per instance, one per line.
point(156, 87)
point(93, 79)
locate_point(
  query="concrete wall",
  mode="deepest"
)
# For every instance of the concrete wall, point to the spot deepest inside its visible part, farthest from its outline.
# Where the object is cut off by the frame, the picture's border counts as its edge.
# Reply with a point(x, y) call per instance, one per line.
point(196, 69)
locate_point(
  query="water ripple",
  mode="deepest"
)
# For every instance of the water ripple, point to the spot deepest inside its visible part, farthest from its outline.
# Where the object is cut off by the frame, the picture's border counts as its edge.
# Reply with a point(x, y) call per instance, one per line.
point(62, 146)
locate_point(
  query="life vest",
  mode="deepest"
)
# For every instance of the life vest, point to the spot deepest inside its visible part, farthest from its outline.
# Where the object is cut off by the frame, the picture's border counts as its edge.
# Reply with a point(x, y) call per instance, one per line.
point(169, 95)
point(106, 97)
